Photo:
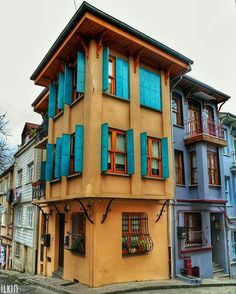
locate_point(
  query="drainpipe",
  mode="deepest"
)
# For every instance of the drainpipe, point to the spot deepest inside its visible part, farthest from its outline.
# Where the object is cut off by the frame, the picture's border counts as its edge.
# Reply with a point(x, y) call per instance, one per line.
point(227, 239)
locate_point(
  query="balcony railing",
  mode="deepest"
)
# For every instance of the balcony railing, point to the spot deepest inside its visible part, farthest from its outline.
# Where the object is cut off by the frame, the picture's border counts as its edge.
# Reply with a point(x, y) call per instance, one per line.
point(203, 125)
point(38, 189)
point(195, 238)
point(42, 130)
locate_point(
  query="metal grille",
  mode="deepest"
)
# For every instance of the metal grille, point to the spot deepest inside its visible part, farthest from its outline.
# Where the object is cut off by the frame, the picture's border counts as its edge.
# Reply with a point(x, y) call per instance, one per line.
point(39, 189)
point(136, 239)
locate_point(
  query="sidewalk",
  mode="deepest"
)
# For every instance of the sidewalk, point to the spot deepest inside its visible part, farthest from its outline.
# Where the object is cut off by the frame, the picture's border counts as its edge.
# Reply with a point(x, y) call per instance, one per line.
point(67, 287)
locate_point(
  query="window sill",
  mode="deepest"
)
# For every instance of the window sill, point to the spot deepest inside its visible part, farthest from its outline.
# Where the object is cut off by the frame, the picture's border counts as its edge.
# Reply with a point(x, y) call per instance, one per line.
point(74, 175)
point(151, 108)
point(29, 183)
point(226, 155)
point(181, 185)
point(194, 249)
point(214, 186)
point(178, 126)
point(229, 206)
point(153, 178)
point(193, 186)
point(233, 262)
point(58, 115)
point(114, 96)
point(55, 181)
point(116, 174)
point(77, 100)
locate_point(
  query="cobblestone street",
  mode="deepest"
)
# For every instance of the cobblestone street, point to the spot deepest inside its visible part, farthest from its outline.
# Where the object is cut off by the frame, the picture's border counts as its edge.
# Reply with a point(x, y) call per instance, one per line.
point(15, 285)
point(205, 290)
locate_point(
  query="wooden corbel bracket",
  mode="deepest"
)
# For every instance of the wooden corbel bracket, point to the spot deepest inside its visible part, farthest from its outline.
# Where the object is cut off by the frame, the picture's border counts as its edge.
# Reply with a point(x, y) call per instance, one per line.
point(136, 59)
point(167, 73)
point(85, 46)
point(62, 63)
point(99, 42)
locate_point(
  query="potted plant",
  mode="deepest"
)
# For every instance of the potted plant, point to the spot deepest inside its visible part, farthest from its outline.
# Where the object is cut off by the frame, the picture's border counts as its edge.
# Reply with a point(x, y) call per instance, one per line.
point(143, 246)
point(134, 246)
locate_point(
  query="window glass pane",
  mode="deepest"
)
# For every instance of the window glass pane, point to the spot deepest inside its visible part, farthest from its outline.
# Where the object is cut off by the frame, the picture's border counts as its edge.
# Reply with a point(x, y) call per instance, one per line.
point(110, 86)
point(174, 118)
point(155, 149)
point(120, 142)
point(194, 162)
point(120, 162)
point(174, 105)
point(110, 68)
point(109, 141)
point(155, 167)
point(109, 160)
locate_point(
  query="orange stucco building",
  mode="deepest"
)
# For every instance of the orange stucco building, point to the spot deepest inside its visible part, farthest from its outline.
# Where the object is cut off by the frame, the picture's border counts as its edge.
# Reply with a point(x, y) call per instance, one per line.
point(108, 167)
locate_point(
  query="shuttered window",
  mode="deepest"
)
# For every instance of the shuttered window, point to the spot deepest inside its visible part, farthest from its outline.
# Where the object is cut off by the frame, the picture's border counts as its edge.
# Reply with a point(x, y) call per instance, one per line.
point(115, 75)
point(117, 151)
point(179, 168)
point(150, 89)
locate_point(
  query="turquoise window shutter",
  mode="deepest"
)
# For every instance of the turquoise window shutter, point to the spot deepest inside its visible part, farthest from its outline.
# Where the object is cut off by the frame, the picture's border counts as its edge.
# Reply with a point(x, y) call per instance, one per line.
point(104, 147)
point(58, 158)
point(49, 162)
point(79, 143)
point(65, 155)
point(80, 83)
point(122, 78)
point(61, 90)
point(165, 158)
point(43, 169)
point(52, 100)
point(68, 85)
point(105, 65)
point(130, 151)
point(150, 89)
point(143, 143)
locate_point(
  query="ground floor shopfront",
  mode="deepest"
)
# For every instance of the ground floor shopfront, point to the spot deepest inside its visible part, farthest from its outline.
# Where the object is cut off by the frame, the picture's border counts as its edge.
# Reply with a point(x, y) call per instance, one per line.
point(104, 241)
point(200, 238)
point(6, 253)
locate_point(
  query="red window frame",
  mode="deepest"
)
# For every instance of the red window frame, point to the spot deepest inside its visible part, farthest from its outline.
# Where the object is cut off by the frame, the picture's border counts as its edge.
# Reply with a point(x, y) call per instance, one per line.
point(179, 167)
point(113, 151)
point(112, 77)
point(193, 169)
point(193, 222)
point(72, 154)
point(178, 111)
point(213, 170)
point(150, 157)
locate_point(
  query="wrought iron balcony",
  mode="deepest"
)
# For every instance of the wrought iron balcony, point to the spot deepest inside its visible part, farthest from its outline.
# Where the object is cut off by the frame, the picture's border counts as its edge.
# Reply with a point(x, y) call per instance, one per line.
point(204, 129)
point(195, 238)
point(38, 190)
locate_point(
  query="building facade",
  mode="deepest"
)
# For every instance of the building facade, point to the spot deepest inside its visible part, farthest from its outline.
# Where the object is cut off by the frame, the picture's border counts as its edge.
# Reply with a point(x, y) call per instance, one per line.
point(200, 206)
point(108, 152)
point(6, 218)
point(229, 159)
point(25, 230)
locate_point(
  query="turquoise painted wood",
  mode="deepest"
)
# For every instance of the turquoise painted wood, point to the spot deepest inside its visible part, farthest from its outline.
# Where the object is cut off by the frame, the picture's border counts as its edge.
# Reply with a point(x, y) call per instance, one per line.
point(104, 147)
point(65, 155)
point(130, 151)
point(61, 79)
point(165, 158)
point(80, 83)
point(43, 169)
point(49, 162)
point(105, 65)
point(58, 158)
point(68, 85)
point(144, 152)
point(79, 143)
point(122, 78)
point(150, 89)
point(52, 100)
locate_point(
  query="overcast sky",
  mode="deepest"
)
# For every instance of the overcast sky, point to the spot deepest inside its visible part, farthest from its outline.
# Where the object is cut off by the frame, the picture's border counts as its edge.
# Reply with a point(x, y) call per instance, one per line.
point(203, 30)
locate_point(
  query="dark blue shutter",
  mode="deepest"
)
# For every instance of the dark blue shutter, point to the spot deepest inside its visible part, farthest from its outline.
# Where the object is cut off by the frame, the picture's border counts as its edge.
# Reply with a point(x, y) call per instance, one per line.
point(61, 91)
point(58, 158)
point(43, 169)
point(105, 65)
point(52, 100)
point(68, 85)
point(80, 83)
point(165, 159)
point(104, 147)
point(144, 150)
point(122, 78)
point(79, 143)
point(130, 151)
point(65, 155)
point(49, 162)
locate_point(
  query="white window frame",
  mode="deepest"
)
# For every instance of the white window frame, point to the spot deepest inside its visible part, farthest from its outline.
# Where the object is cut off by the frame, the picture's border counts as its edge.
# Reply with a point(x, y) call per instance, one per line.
point(19, 177)
point(19, 217)
point(227, 190)
point(17, 252)
point(233, 245)
point(30, 216)
point(30, 172)
point(226, 148)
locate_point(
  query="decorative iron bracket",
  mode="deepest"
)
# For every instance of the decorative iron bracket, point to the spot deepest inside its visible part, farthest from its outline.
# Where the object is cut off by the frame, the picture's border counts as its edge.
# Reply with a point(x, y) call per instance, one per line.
point(136, 59)
point(85, 210)
point(40, 208)
point(107, 210)
point(162, 209)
